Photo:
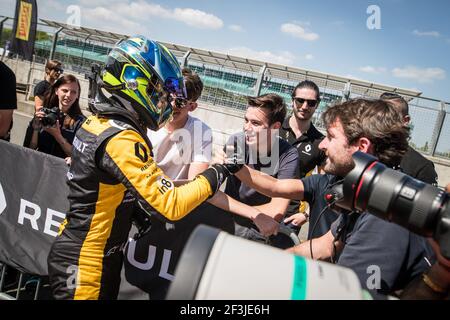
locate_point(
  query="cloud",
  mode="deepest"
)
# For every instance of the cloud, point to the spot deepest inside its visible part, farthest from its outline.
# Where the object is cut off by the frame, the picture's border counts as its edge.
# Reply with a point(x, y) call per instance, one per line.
point(426, 33)
point(421, 75)
point(309, 56)
point(112, 20)
point(138, 12)
point(96, 3)
point(373, 70)
point(236, 28)
point(298, 31)
point(197, 18)
point(283, 57)
point(52, 5)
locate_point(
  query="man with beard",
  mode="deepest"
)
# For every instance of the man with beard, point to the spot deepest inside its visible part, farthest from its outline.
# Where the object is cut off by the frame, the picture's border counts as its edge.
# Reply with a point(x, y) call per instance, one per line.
point(384, 256)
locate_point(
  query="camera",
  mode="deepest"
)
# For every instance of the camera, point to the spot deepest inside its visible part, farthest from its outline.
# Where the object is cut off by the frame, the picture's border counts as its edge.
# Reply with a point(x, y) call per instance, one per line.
point(395, 197)
point(51, 115)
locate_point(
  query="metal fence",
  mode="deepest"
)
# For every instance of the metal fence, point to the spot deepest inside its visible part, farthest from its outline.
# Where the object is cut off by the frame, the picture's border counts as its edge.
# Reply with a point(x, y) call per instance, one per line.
point(16, 285)
point(228, 80)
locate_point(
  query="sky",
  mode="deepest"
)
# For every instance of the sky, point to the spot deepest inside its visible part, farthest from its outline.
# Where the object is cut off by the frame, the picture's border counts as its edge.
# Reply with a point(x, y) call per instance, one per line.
point(402, 43)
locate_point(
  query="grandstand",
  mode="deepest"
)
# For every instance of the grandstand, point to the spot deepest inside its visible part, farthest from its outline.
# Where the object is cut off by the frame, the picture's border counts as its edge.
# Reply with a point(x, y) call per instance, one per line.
point(230, 79)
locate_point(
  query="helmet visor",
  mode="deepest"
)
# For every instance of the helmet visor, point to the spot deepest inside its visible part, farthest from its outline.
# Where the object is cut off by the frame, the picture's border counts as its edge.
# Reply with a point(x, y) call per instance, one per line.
point(176, 87)
point(161, 97)
point(156, 98)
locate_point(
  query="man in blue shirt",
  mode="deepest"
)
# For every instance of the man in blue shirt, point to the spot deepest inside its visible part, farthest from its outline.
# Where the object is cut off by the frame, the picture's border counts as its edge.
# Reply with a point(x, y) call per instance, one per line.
point(384, 256)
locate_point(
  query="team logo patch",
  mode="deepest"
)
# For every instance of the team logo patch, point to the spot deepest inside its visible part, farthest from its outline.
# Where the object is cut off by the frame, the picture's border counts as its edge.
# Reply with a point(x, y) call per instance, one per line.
point(141, 152)
point(308, 148)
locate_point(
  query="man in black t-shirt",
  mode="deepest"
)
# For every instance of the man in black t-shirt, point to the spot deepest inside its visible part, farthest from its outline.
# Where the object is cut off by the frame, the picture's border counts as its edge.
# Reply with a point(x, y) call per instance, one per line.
point(299, 131)
point(8, 100)
point(413, 163)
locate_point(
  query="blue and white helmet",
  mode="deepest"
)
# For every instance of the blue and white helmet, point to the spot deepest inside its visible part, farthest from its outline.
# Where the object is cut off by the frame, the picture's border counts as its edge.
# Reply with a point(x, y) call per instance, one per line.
point(146, 74)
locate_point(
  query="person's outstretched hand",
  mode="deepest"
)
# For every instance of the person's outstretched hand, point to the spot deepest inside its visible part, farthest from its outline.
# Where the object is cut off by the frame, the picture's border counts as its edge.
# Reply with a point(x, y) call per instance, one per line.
point(234, 154)
point(297, 219)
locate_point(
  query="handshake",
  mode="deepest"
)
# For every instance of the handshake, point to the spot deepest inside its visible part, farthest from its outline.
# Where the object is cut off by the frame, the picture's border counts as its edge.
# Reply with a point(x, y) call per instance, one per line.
point(226, 163)
point(233, 155)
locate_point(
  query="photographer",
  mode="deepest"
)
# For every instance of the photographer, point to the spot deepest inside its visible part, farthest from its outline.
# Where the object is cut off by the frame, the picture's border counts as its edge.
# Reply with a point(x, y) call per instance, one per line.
point(54, 126)
point(385, 256)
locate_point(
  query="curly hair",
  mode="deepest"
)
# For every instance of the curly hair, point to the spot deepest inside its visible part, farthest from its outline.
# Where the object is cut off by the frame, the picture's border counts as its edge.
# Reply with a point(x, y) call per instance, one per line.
point(375, 120)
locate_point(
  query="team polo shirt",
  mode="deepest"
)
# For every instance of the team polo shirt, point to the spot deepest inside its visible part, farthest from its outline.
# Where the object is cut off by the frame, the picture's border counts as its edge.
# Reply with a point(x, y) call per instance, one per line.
point(307, 145)
point(309, 154)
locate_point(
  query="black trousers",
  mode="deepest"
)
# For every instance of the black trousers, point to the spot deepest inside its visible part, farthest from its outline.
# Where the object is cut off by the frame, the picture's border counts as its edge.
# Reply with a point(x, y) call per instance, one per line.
point(71, 278)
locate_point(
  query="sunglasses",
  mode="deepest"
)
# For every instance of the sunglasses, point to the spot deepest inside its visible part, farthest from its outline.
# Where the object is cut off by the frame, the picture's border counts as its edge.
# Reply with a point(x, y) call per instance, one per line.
point(180, 103)
point(301, 101)
point(59, 70)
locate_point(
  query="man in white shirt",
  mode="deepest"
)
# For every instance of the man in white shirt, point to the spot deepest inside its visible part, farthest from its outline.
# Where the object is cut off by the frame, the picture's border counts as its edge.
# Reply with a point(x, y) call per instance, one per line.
point(183, 147)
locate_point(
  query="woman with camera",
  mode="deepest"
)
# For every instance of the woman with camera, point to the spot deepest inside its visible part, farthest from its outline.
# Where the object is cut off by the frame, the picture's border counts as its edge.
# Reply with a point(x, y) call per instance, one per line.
point(54, 126)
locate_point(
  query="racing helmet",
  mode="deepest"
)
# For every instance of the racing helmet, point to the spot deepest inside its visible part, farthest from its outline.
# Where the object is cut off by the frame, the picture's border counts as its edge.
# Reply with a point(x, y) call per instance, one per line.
point(146, 74)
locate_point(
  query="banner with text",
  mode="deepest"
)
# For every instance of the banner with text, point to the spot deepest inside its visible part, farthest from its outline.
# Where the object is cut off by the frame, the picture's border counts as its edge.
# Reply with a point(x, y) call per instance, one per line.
point(33, 202)
point(24, 28)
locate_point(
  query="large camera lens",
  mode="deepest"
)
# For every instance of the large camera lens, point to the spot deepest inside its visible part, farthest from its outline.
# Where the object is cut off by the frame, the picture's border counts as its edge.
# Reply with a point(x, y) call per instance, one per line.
point(219, 266)
point(397, 197)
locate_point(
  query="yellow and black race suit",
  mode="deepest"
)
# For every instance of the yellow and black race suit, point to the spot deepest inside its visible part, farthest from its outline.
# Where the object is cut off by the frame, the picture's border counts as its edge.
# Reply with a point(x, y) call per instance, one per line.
point(112, 167)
